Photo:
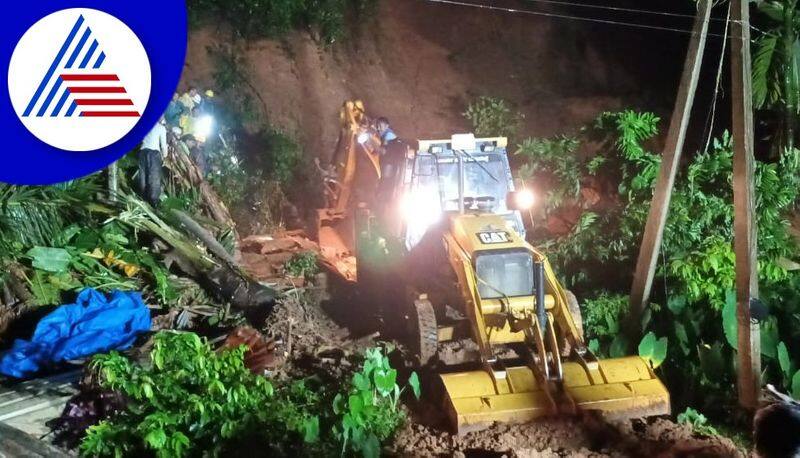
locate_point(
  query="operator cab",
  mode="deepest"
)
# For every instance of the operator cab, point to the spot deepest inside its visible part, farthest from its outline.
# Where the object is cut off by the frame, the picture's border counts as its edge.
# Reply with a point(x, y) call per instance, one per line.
point(464, 175)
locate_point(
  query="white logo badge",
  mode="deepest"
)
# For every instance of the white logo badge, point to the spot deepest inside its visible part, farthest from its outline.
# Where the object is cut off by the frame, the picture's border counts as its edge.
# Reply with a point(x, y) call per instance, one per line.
point(79, 79)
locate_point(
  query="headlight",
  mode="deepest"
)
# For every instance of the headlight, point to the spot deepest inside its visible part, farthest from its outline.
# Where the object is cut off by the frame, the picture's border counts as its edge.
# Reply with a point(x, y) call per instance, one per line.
point(363, 137)
point(204, 126)
point(419, 211)
point(524, 199)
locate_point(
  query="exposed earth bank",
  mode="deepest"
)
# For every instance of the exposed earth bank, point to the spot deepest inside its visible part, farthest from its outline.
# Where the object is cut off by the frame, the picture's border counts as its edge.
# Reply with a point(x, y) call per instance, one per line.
point(420, 64)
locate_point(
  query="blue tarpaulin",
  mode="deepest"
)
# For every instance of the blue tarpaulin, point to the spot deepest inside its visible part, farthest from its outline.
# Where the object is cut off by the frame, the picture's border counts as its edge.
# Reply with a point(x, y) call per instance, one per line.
point(93, 324)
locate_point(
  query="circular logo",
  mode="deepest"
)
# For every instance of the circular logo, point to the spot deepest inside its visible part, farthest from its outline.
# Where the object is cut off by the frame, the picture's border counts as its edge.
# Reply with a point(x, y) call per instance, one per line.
point(79, 79)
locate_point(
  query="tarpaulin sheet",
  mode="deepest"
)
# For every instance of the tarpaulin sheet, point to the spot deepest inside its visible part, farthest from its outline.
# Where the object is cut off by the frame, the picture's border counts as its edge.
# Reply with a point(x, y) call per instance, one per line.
point(93, 324)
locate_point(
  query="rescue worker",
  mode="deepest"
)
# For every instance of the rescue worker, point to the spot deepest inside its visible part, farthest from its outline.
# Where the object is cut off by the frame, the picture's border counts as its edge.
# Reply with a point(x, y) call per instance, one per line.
point(391, 153)
point(384, 131)
point(172, 115)
point(190, 99)
point(207, 105)
point(151, 155)
point(195, 140)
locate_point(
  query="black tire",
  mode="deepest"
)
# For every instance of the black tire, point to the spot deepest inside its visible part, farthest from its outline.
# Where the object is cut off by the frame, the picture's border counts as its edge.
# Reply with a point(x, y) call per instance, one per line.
point(424, 332)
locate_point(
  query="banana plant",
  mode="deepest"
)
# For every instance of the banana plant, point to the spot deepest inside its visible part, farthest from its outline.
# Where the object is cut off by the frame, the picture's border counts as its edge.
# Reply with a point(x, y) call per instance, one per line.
point(776, 64)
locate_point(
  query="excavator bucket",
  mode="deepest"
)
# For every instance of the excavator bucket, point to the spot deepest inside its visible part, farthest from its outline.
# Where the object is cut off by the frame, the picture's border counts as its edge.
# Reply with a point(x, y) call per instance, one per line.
point(334, 234)
point(616, 388)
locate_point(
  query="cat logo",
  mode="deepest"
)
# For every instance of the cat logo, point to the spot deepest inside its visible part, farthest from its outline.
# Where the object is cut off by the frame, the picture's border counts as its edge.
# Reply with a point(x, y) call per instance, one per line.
point(488, 238)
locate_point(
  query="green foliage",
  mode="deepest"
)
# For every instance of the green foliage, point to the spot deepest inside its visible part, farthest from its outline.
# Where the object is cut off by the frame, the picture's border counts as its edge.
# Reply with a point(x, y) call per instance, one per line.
point(227, 176)
point(191, 400)
point(493, 117)
point(241, 113)
point(232, 79)
point(697, 421)
point(275, 18)
point(552, 161)
point(59, 257)
point(765, 88)
point(791, 377)
point(653, 349)
point(602, 316)
point(283, 155)
point(369, 412)
point(35, 215)
point(49, 259)
point(302, 265)
point(776, 66)
point(695, 277)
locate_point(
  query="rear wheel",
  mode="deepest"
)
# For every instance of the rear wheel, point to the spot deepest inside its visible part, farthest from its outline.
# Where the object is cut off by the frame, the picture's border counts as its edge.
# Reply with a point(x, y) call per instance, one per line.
point(424, 332)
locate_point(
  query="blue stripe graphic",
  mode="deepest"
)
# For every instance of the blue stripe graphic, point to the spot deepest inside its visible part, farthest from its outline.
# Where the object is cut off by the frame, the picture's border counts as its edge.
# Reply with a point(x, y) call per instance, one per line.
point(53, 92)
point(60, 103)
point(79, 48)
point(100, 60)
point(72, 108)
point(89, 54)
point(53, 67)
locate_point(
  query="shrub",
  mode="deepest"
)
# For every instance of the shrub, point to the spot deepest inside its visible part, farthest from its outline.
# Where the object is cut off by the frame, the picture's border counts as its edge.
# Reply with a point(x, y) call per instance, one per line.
point(283, 155)
point(697, 421)
point(493, 117)
point(302, 265)
point(368, 412)
point(275, 18)
point(190, 400)
point(693, 298)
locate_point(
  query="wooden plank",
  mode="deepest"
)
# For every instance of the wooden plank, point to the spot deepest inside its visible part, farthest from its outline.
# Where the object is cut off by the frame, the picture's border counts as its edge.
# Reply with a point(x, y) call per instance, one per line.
point(657, 218)
point(744, 221)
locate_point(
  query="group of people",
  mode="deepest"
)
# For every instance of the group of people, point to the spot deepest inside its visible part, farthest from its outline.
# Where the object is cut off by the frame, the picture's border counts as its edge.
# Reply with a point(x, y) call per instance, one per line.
point(187, 117)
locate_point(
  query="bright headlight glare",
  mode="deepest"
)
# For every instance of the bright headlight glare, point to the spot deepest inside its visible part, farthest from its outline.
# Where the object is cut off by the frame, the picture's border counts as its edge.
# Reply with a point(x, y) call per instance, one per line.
point(525, 199)
point(419, 210)
point(204, 126)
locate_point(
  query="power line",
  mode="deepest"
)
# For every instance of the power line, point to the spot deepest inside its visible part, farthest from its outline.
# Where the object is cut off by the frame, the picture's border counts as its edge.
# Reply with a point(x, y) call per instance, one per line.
point(564, 16)
point(713, 111)
point(618, 8)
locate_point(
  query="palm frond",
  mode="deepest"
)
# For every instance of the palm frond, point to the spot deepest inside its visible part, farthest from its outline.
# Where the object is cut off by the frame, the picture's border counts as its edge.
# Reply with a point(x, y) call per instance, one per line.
point(35, 215)
point(763, 65)
point(772, 9)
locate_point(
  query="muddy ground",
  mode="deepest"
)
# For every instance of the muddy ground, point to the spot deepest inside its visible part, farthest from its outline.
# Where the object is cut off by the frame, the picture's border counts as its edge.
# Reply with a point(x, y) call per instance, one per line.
point(312, 342)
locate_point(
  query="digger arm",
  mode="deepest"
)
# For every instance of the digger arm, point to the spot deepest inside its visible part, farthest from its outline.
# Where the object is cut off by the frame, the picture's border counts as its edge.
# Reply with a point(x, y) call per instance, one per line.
point(353, 121)
point(560, 311)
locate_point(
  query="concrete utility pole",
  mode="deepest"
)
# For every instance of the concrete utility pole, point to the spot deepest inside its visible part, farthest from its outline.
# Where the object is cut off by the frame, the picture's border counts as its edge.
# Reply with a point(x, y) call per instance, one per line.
point(654, 229)
point(744, 221)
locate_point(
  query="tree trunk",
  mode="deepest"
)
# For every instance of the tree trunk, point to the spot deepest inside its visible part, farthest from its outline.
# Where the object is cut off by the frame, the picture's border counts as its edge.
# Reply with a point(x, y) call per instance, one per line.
point(183, 168)
point(789, 74)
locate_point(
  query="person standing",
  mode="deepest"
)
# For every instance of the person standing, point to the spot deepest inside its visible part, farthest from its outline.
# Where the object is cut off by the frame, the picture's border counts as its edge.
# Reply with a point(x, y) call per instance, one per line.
point(151, 154)
point(174, 110)
point(190, 99)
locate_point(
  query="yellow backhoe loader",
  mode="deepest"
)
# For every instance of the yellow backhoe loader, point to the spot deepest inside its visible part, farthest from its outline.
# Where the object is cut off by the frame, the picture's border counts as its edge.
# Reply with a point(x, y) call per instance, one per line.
point(441, 253)
point(354, 170)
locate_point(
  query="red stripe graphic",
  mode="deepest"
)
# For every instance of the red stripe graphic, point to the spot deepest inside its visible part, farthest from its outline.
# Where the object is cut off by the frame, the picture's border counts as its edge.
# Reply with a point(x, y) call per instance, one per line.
point(116, 102)
point(96, 90)
point(110, 114)
point(90, 77)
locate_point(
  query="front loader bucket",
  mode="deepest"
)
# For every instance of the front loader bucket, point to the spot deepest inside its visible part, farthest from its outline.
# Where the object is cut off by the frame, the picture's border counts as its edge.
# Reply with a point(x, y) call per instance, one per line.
point(335, 237)
point(617, 388)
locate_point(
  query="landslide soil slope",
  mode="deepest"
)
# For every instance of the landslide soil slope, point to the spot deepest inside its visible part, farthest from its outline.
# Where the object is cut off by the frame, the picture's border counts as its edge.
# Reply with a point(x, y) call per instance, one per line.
point(421, 63)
